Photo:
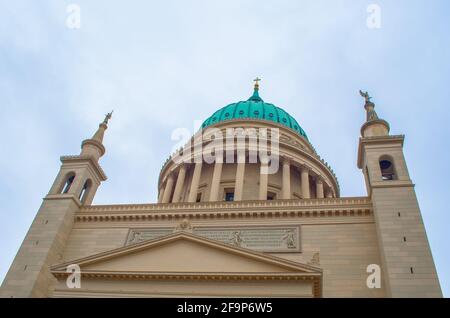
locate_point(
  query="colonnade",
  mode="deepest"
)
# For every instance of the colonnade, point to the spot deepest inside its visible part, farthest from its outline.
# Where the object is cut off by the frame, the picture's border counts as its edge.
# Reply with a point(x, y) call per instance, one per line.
point(165, 195)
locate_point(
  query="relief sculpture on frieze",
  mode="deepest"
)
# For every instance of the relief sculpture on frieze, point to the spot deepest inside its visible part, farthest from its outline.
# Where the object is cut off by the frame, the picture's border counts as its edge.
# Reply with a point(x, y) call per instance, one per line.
point(272, 239)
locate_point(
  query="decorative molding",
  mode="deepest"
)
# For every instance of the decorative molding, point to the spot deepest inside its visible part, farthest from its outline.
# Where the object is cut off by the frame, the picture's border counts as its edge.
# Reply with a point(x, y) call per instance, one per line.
point(315, 260)
point(193, 276)
point(315, 278)
point(392, 184)
point(184, 226)
point(309, 208)
point(64, 196)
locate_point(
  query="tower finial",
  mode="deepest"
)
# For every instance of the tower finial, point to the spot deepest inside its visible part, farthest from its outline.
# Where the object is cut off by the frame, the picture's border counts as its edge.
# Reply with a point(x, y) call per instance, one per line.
point(107, 117)
point(257, 80)
point(365, 95)
point(255, 97)
point(374, 126)
point(369, 106)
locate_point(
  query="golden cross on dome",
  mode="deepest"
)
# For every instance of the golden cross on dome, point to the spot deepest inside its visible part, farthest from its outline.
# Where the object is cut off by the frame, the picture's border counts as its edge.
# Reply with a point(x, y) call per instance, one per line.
point(256, 80)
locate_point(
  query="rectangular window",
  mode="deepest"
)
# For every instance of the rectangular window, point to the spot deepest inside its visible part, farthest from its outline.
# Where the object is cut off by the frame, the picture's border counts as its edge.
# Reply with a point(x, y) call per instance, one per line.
point(229, 196)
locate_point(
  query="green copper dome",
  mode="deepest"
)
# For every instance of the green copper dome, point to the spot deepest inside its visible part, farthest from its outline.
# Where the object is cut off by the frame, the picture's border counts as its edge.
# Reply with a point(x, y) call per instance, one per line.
point(255, 108)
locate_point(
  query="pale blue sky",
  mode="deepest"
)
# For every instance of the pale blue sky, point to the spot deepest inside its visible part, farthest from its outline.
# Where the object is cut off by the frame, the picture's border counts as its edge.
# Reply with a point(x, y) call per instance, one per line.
point(163, 64)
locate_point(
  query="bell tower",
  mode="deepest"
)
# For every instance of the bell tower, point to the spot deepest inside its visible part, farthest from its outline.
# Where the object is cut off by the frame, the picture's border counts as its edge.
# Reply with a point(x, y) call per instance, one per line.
point(75, 185)
point(407, 266)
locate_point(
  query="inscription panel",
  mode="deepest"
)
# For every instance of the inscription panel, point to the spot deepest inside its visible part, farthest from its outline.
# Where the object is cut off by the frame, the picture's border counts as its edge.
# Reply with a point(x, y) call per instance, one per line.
point(273, 239)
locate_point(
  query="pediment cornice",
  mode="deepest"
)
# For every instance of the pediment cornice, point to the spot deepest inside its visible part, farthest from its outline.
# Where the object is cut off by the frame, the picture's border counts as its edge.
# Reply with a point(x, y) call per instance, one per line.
point(289, 270)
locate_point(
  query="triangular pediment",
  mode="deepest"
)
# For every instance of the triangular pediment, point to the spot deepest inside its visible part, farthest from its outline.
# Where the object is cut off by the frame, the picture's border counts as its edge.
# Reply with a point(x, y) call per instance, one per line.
point(184, 252)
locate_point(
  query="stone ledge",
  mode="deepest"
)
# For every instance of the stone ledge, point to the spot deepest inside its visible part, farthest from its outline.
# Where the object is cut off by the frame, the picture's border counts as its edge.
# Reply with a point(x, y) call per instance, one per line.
point(332, 207)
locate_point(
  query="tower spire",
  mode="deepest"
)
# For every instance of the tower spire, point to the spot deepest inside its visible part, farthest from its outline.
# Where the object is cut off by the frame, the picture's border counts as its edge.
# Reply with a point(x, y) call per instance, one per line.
point(94, 146)
point(102, 127)
point(108, 117)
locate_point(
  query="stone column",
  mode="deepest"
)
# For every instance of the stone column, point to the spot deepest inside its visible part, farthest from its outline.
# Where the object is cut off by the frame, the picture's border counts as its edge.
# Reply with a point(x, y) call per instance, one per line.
point(319, 188)
point(91, 193)
point(180, 183)
point(168, 189)
point(286, 191)
point(195, 181)
point(305, 183)
point(215, 183)
point(263, 181)
point(329, 193)
point(161, 194)
point(240, 171)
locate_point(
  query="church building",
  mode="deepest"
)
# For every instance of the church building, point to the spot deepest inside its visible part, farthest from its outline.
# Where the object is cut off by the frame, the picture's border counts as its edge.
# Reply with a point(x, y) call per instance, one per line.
point(247, 208)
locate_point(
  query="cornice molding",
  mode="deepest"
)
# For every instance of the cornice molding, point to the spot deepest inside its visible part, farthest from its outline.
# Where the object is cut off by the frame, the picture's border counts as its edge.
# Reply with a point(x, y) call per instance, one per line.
point(315, 278)
point(64, 196)
point(192, 276)
point(327, 207)
point(95, 143)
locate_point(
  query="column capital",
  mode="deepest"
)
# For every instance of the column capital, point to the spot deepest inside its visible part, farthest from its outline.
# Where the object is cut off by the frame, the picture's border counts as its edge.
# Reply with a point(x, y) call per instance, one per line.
point(319, 179)
point(305, 168)
point(286, 159)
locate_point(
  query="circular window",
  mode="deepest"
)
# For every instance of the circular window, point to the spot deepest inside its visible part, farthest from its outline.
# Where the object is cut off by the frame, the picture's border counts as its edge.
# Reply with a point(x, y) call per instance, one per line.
point(227, 114)
point(214, 119)
point(270, 115)
point(284, 120)
point(256, 112)
point(241, 112)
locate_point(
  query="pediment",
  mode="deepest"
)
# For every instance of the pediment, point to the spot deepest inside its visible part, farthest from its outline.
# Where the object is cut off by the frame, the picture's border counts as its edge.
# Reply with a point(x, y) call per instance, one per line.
point(184, 252)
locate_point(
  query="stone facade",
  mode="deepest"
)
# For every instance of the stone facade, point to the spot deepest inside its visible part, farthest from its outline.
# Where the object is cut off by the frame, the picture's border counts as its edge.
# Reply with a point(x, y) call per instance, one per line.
point(228, 229)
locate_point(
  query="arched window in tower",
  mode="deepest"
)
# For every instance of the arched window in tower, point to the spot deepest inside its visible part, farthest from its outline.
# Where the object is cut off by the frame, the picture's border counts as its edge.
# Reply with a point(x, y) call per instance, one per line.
point(69, 181)
point(387, 168)
point(85, 191)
